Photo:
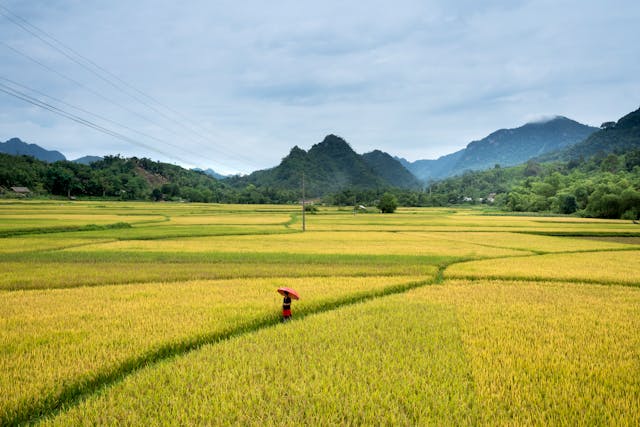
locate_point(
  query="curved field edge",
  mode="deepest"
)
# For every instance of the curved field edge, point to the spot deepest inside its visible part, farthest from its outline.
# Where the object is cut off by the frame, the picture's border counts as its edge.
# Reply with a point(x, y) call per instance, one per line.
point(598, 267)
point(460, 353)
point(386, 360)
point(63, 229)
point(74, 390)
point(71, 270)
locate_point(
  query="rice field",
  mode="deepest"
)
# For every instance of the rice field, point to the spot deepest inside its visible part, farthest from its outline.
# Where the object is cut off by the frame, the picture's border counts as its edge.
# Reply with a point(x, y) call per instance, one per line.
point(606, 267)
point(166, 314)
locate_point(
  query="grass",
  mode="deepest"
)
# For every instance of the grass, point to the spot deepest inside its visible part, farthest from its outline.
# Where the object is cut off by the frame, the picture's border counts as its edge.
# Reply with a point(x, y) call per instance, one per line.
point(79, 269)
point(56, 347)
point(610, 267)
point(337, 243)
point(426, 316)
point(382, 360)
point(548, 353)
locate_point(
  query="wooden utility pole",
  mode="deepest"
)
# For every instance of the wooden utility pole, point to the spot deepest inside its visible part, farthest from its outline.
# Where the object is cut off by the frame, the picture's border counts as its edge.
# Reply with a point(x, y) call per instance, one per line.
point(303, 219)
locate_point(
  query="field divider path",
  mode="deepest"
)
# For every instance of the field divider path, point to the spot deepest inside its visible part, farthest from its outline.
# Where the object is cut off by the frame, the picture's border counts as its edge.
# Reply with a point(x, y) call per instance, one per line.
point(63, 229)
point(474, 278)
point(526, 252)
point(31, 411)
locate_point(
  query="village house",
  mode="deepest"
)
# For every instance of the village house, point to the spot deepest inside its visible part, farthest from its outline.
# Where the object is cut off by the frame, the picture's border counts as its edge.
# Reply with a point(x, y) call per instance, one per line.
point(21, 191)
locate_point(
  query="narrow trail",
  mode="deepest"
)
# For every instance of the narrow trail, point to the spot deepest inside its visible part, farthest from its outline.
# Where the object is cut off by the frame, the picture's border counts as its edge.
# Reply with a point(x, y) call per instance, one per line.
point(545, 279)
point(30, 411)
point(75, 392)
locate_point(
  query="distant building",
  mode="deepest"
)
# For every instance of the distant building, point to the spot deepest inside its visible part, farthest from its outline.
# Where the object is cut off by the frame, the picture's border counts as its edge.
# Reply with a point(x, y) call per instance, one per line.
point(309, 201)
point(21, 191)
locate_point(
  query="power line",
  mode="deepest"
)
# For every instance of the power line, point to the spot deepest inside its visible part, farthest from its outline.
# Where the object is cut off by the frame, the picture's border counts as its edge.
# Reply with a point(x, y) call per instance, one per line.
point(73, 55)
point(83, 86)
point(100, 117)
point(56, 110)
point(99, 95)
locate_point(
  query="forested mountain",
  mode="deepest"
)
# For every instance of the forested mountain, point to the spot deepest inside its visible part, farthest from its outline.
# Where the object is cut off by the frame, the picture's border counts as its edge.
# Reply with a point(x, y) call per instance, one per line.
point(614, 137)
point(211, 173)
point(390, 169)
point(16, 147)
point(505, 147)
point(330, 166)
point(603, 186)
point(112, 177)
point(599, 177)
point(428, 170)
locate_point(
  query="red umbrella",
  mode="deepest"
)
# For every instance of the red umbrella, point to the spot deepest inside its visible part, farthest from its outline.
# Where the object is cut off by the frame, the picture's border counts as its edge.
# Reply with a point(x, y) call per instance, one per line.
point(292, 293)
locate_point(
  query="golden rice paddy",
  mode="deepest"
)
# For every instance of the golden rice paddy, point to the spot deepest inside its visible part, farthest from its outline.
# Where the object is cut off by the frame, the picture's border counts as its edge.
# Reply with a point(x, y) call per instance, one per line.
point(426, 316)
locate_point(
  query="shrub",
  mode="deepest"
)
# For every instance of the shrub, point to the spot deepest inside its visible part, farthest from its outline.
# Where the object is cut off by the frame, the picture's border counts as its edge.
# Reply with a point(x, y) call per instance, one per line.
point(388, 203)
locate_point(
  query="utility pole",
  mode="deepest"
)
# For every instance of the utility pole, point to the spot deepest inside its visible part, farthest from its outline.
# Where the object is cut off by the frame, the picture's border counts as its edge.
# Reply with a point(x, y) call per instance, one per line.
point(303, 219)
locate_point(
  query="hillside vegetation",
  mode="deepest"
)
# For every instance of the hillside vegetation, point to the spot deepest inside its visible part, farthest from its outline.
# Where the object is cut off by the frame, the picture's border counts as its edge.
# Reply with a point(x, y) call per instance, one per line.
point(599, 177)
point(120, 178)
point(603, 187)
point(331, 166)
point(506, 147)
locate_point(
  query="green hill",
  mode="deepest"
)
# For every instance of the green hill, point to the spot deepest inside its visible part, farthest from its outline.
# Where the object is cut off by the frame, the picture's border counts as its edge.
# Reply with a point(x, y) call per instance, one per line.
point(617, 137)
point(331, 166)
point(505, 147)
point(112, 177)
point(391, 170)
point(599, 177)
point(17, 147)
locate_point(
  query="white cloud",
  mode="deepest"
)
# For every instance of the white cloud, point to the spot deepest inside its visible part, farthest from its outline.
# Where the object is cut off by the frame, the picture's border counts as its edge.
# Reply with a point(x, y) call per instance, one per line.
point(417, 79)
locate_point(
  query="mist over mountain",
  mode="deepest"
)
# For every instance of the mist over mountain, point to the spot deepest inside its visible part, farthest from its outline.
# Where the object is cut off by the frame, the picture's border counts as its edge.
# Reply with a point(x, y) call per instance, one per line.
point(506, 147)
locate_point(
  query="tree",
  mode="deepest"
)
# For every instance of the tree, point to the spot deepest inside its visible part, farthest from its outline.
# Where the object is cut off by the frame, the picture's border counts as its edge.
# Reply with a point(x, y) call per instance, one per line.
point(61, 180)
point(630, 201)
point(388, 203)
point(156, 195)
point(567, 203)
point(532, 168)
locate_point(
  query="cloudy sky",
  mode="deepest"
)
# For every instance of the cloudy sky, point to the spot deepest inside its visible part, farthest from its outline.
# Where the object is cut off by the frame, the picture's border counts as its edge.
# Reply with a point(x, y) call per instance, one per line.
point(233, 85)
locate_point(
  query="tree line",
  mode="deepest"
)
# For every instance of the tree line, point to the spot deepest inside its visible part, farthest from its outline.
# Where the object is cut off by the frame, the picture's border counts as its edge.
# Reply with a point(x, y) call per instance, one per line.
point(602, 186)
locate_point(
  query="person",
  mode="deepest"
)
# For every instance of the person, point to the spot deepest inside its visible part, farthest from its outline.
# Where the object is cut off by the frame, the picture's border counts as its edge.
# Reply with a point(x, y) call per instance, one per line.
point(286, 307)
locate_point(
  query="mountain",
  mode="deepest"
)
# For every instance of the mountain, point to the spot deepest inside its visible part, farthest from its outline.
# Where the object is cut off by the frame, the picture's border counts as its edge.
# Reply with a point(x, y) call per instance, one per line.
point(617, 137)
point(427, 170)
point(330, 166)
point(390, 169)
point(86, 160)
point(16, 147)
point(506, 147)
point(211, 173)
